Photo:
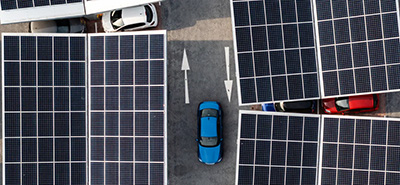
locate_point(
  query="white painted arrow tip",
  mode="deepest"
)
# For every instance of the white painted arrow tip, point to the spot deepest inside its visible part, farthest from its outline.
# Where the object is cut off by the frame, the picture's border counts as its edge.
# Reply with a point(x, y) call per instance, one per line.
point(228, 88)
point(185, 62)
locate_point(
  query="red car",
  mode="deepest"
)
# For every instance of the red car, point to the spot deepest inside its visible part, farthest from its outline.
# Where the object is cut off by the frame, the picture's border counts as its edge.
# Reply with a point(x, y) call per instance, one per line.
point(352, 104)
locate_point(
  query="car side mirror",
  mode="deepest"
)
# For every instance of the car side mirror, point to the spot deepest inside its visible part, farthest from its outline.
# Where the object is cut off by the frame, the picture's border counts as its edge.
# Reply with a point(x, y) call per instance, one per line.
point(221, 139)
point(197, 140)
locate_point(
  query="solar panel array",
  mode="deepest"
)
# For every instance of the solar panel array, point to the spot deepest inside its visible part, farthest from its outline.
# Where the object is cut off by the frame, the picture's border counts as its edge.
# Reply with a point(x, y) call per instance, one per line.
point(360, 150)
point(277, 148)
point(127, 108)
point(18, 4)
point(44, 110)
point(275, 50)
point(359, 46)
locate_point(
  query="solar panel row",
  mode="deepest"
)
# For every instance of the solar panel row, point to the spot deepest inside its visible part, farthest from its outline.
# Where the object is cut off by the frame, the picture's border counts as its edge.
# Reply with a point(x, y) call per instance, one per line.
point(44, 86)
point(358, 48)
point(127, 110)
point(275, 50)
point(278, 148)
point(45, 109)
point(18, 4)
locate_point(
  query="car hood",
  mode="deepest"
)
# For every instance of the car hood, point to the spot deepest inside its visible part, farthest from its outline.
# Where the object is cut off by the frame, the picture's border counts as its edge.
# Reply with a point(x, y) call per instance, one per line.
point(209, 127)
point(210, 155)
point(134, 15)
point(106, 21)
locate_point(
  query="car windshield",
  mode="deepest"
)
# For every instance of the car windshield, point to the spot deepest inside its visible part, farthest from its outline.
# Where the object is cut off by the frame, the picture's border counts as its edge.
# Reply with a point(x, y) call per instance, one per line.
point(209, 113)
point(149, 13)
point(209, 141)
point(116, 19)
point(342, 104)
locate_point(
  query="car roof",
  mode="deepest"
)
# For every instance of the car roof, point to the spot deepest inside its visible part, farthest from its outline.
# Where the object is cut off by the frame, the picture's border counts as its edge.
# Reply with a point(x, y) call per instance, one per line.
point(208, 127)
point(134, 15)
point(209, 105)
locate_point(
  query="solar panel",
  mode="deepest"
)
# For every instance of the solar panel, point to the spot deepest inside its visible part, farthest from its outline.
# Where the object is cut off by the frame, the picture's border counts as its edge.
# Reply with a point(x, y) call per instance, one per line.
point(358, 46)
point(275, 51)
point(44, 108)
point(275, 148)
point(359, 150)
point(13, 11)
point(127, 127)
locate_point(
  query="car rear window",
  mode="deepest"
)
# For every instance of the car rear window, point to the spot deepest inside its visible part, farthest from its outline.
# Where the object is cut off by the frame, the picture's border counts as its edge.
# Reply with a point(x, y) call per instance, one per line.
point(209, 113)
point(209, 141)
point(149, 13)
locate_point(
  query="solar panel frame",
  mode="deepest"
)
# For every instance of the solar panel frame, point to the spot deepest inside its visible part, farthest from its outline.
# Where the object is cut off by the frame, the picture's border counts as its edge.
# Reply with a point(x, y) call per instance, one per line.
point(358, 81)
point(152, 165)
point(252, 136)
point(250, 82)
point(37, 161)
point(339, 140)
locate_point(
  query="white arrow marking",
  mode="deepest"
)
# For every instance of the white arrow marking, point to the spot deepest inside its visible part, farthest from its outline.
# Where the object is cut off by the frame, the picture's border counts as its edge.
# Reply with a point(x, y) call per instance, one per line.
point(228, 82)
point(185, 67)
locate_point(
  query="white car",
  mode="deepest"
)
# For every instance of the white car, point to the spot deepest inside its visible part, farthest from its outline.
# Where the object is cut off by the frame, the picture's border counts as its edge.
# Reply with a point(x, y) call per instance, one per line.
point(134, 18)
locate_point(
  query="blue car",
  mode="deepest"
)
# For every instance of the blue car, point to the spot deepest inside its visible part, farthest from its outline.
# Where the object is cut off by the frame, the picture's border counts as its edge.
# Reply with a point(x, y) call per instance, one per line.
point(209, 135)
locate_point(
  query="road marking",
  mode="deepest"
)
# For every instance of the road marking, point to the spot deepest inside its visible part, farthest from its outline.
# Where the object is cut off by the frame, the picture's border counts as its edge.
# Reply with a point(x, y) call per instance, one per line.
point(228, 82)
point(185, 67)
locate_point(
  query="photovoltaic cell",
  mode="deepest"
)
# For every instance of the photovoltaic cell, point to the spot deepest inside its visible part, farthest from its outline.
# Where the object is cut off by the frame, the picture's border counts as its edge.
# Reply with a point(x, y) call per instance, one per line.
point(127, 108)
point(358, 43)
point(275, 50)
point(45, 109)
point(276, 147)
point(359, 150)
